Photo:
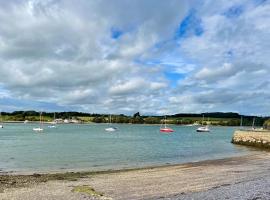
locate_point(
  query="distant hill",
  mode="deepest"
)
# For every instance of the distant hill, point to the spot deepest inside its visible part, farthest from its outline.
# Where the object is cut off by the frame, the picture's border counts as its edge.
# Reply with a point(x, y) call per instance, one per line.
point(214, 118)
point(212, 114)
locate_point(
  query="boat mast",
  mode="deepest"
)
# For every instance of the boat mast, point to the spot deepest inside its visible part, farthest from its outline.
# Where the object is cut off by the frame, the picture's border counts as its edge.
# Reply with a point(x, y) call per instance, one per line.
point(241, 123)
point(202, 119)
point(165, 122)
point(253, 123)
point(40, 118)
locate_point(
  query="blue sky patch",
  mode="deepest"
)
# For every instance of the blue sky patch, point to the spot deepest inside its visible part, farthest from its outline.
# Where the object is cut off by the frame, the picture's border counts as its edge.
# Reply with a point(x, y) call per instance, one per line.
point(234, 11)
point(191, 25)
point(259, 2)
point(116, 33)
point(174, 77)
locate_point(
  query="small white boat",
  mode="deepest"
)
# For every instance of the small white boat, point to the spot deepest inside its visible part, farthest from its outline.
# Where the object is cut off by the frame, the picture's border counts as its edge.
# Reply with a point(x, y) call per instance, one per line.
point(39, 129)
point(111, 128)
point(53, 123)
point(203, 129)
point(1, 126)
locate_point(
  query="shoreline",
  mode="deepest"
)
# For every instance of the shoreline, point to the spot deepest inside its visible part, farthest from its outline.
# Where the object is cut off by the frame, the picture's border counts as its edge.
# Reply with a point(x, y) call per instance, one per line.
point(196, 180)
point(28, 178)
point(252, 151)
point(87, 123)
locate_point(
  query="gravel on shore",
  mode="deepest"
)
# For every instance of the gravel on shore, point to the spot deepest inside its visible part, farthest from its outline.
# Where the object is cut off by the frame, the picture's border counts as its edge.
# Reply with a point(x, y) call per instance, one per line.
point(245, 177)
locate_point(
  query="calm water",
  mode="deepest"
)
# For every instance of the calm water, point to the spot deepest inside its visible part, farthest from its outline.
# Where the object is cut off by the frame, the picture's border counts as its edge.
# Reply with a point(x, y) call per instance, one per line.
point(81, 147)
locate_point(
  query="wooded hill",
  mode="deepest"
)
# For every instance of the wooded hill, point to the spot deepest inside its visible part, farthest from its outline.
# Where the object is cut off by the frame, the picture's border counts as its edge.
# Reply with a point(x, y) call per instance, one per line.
point(214, 118)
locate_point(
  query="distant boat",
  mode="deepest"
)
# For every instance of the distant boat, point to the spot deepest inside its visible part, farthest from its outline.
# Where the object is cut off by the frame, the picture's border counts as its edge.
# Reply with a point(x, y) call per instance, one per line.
point(253, 124)
point(165, 129)
point(51, 126)
point(203, 128)
point(111, 128)
point(53, 123)
point(1, 125)
point(39, 129)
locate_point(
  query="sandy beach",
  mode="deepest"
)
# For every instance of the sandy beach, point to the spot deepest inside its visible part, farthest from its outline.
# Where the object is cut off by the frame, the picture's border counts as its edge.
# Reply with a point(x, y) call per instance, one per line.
point(245, 177)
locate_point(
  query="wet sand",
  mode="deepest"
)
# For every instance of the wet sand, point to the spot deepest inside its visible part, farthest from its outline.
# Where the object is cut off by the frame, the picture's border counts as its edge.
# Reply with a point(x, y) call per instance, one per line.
point(245, 177)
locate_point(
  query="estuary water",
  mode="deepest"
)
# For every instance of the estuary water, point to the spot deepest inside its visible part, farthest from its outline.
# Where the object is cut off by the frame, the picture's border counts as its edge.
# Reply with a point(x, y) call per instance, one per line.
point(89, 147)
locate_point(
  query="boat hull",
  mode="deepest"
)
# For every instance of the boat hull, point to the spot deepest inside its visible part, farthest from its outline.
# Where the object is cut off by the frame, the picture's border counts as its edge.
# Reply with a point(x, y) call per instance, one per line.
point(203, 129)
point(38, 129)
point(166, 130)
point(111, 129)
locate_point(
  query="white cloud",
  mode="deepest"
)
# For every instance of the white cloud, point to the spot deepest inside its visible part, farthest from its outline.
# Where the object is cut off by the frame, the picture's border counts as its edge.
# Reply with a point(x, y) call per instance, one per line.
point(233, 55)
point(62, 52)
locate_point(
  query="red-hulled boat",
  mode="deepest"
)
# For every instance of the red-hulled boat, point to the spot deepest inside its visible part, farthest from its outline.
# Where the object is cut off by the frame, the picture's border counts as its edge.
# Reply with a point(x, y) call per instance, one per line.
point(165, 129)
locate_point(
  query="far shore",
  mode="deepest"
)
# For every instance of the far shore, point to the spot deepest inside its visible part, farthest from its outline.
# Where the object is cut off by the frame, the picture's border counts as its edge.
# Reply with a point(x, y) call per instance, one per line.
point(183, 181)
point(146, 124)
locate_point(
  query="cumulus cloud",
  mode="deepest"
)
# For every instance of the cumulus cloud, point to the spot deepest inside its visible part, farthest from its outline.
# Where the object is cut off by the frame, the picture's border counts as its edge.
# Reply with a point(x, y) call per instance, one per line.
point(232, 55)
point(63, 52)
point(151, 56)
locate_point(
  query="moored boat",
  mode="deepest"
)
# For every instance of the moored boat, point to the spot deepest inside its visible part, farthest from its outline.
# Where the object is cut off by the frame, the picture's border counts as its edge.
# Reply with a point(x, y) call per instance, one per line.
point(203, 129)
point(1, 126)
point(110, 128)
point(39, 129)
point(165, 129)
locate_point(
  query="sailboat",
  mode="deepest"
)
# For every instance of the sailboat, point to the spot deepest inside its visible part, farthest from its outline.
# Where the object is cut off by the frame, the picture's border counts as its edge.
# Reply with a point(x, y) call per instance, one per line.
point(39, 129)
point(53, 123)
point(1, 125)
point(203, 128)
point(165, 129)
point(241, 123)
point(253, 124)
point(110, 128)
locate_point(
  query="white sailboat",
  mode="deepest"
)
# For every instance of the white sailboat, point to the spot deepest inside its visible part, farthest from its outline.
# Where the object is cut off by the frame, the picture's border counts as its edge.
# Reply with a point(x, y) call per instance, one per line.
point(253, 124)
point(110, 128)
point(39, 129)
point(53, 123)
point(203, 128)
point(165, 129)
point(1, 125)
point(241, 123)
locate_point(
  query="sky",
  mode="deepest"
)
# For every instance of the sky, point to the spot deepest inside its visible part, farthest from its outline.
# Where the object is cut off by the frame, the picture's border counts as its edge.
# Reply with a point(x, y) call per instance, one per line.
point(123, 56)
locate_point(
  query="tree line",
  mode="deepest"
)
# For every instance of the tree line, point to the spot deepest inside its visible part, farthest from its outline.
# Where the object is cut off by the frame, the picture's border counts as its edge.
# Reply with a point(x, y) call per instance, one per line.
point(215, 118)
